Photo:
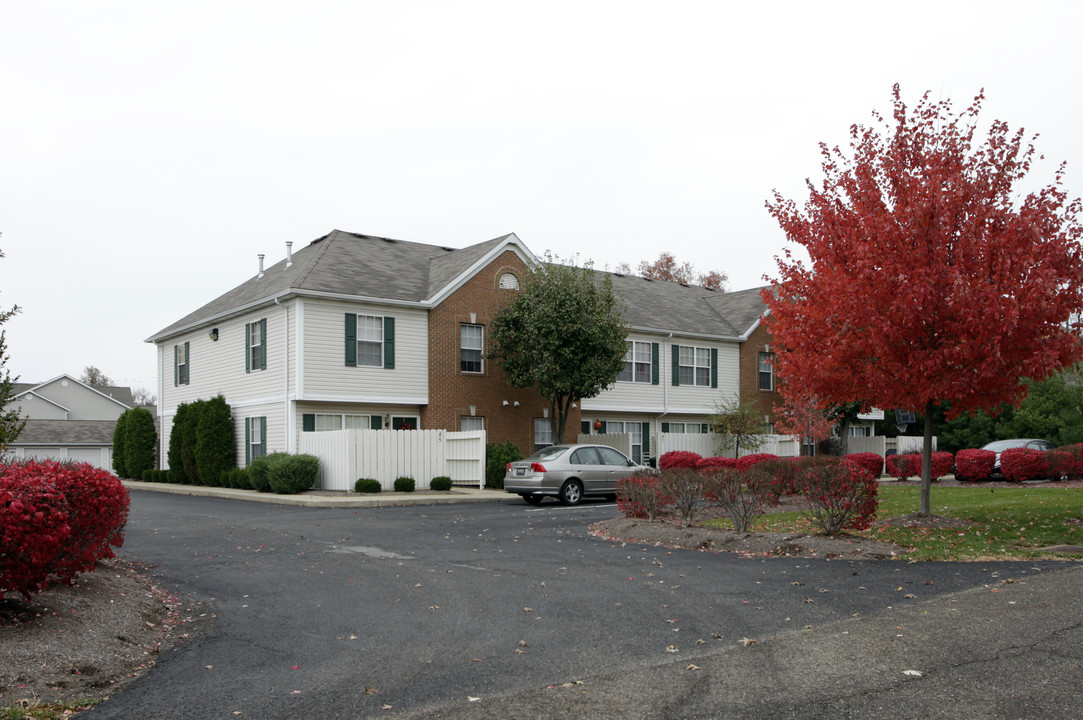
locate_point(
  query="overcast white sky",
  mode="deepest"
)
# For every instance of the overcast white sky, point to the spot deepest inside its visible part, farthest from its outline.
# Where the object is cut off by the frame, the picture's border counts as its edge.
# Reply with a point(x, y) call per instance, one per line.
point(150, 150)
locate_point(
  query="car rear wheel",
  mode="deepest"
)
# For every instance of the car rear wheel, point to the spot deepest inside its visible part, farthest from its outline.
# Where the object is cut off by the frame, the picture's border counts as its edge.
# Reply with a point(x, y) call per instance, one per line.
point(571, 493)
point(532, 499)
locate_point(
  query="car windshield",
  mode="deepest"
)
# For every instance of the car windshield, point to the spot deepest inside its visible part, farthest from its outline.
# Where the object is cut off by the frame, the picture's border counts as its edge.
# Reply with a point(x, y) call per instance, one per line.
point(1002, 445)
point(548, 453)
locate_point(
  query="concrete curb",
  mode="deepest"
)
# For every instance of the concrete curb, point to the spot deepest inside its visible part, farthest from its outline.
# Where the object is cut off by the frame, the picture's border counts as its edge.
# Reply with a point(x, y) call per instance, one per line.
point(338, 500)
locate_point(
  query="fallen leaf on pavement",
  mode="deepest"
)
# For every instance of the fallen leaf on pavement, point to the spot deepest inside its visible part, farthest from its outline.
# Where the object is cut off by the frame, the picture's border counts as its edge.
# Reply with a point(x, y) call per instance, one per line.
point(913, 673)
point(692, 667)
point(746, 641)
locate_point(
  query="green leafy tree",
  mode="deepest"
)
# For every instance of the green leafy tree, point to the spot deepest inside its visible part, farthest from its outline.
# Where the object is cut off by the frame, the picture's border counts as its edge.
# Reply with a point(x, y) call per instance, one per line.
point(740, 426)
point(120, 446)
point(11, 423)
point(214, 447)
point(140, 442)
point(564, 334)
point(175, 453)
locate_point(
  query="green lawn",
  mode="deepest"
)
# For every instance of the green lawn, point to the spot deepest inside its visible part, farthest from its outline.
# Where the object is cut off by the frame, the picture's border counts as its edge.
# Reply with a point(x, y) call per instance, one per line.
point(1007, 523)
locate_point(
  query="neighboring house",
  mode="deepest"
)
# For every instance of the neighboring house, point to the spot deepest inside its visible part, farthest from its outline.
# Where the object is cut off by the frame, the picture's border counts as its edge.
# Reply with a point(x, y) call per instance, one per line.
point(355, 331)
point(68, 420)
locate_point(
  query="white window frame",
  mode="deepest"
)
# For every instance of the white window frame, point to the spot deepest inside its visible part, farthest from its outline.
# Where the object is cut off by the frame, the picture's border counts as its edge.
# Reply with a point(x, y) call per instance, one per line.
point(635, 429)
point(694, 366)
point(370, 341)
point(543, 433)
point(471, 423)
point(471, 345)
point(255, 346)
point(637, 363)
point(767, 372)
point(181, 352)
point(257, 436)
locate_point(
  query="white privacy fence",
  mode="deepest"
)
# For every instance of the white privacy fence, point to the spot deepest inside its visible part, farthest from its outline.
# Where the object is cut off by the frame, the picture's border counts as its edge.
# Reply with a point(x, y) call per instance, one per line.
point(346, 455)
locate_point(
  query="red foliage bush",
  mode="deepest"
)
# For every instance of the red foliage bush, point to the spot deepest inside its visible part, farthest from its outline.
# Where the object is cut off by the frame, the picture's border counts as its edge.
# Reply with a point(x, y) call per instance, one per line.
point(1020, 464)
point(95, 508)
point(903, 467)
point(678, 459)
point(744, 463)
point(642, 495)
point(33, 528)
point(838, 496)
point(1059, 464)
point(711, 463)
point(942, 464)
point(971, 465)
point(872, 462)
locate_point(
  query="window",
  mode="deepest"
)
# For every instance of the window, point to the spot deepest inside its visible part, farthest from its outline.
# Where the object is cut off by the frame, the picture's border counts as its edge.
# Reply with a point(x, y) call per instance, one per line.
point(681, 427)
point(360, 422)
point(767, 378)
point(860, 431)
point(695, 366)
point(470, 347)
point(543, 433)
point(404, 423)
point(255, 435)
point(255, 341)
point(637, 363)
point(634, 429)
point(180, 364)
point(328, 422)
point(509, 282)
point(584, 427)
point(370, 341)
point(322, 422)
point(469, 423)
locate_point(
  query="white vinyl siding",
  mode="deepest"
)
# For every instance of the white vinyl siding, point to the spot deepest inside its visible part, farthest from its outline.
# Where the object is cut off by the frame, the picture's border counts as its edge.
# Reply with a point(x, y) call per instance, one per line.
point(327, 378)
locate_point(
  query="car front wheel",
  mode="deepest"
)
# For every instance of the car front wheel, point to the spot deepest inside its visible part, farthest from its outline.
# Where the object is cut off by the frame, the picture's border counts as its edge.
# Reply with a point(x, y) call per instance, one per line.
point(571, 493)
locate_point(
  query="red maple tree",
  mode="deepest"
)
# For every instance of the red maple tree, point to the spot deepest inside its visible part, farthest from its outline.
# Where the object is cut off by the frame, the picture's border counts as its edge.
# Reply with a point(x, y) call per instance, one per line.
point(929, 280)
point(802, 414)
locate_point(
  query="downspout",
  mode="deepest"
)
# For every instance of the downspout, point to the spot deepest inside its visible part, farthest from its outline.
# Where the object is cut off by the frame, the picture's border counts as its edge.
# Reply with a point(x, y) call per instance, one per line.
point(286, 375)
point(665, 392)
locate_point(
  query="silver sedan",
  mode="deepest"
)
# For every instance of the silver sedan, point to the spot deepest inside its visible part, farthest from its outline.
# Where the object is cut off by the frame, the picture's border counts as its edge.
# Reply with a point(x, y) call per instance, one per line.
point(568, 472)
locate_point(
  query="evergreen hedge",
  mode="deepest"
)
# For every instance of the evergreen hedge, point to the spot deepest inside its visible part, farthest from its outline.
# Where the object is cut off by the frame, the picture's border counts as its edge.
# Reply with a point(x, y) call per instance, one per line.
point(215, 451)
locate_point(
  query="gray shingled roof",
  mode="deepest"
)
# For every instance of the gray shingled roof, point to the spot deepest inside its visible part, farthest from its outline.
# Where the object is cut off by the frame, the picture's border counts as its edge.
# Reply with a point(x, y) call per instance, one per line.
point(742, 308)
point(349, 264)
point(66, 432)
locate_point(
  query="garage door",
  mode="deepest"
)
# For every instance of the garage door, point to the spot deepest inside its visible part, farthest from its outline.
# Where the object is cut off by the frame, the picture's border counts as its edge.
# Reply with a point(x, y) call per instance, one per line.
point(92, 456)
point(43, 453)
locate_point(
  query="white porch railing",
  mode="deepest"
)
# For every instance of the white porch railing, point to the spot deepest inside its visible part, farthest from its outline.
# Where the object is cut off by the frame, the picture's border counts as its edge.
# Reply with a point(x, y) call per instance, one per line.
point(384, 455)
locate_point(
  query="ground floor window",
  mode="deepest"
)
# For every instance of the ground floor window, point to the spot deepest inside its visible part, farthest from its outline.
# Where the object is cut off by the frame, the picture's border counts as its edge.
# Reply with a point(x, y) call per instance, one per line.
point(255, 433)
point(543, 433)
point(404, 422)
point(634, 429)
point(681, 427)
point(325, 422)
point(469, 423)
point(860, 431)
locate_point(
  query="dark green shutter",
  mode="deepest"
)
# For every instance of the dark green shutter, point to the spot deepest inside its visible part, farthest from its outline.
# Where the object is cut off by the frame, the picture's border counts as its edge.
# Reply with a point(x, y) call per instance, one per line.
point(601, 430)
point(714, 367)
point(187, 365)
point(376, 422)
point(263, 344)
point(351, 340)
point(703, 426)
point(176, 365)
point(247, 442)
point(676, 365)
point(308, 422)
point(389, 343)
point(654, 363)
point(248, 347)
point(665, 427)
point(646, 441)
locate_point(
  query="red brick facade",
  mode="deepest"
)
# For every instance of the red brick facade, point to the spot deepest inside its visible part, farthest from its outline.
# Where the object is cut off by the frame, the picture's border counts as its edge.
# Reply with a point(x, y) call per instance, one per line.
point(452, 392)
point(758, 342)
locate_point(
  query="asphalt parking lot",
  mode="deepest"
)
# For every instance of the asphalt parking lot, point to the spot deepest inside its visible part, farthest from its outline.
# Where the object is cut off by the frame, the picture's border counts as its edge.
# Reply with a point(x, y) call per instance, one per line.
point(498, 609)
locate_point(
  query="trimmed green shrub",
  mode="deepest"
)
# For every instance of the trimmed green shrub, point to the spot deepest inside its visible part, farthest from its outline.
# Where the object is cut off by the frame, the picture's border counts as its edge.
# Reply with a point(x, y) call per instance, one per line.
point(140, 442)
point(214, 449)
point(236, 478)
point(158, 476)
point(367, 485)
point(404, 484)
point(120, 444)
point(291, 474)
point(175, 454)
point(442, 482)
point(258, 471)
point(497, 457)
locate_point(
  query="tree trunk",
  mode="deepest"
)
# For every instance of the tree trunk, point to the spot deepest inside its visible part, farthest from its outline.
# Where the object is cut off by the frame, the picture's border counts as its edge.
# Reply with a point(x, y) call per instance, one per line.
point(927, 462)
point(844, 434)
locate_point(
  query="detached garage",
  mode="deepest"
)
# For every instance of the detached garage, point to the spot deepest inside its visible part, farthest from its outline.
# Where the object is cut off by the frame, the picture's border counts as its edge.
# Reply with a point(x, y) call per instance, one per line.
point(89, 441)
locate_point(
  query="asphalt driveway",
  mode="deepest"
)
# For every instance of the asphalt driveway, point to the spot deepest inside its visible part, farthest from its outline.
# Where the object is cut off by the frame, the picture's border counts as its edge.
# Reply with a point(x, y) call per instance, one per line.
point(503, 610)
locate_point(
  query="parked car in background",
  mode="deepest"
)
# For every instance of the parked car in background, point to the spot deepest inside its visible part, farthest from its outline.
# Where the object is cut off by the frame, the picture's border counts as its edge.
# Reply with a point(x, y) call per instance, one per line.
point(568, 473)
point(999, 446)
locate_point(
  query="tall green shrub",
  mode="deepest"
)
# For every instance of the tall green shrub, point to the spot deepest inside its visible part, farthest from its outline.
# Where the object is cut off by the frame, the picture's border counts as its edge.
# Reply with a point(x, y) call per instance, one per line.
point(175, 454)
point(214, 447)
point(140, 442)
point(497, 457)
point(120, 440)
point(189, 432)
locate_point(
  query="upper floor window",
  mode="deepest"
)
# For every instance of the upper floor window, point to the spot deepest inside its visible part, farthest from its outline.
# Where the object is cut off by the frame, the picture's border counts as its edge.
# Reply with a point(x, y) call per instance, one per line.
point(469, 423)
point(767, 377)
point(471, 341)
point(543, 433)
point(695, 366)
point(180, 364)
point(638, 363)
point(255, 345)
point(370, 341)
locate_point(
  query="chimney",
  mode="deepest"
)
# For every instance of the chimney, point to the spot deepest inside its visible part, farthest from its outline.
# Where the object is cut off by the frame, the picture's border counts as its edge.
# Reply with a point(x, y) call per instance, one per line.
point(260, 266)
point(289, 253)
